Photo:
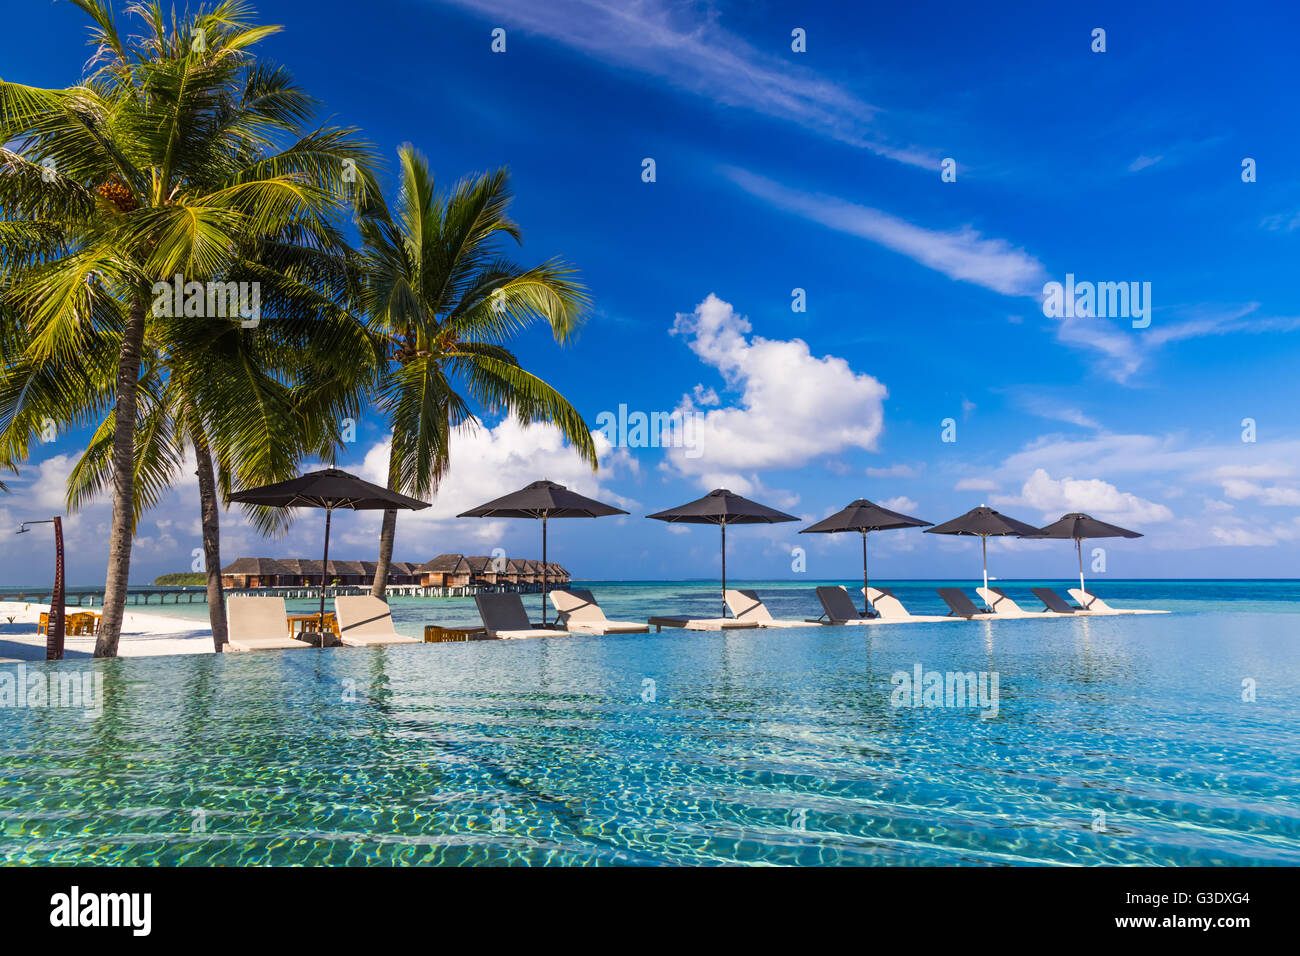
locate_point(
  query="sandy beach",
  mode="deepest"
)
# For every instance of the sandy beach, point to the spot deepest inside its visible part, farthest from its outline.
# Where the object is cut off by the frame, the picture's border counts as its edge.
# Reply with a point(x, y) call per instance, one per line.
point(143, 634)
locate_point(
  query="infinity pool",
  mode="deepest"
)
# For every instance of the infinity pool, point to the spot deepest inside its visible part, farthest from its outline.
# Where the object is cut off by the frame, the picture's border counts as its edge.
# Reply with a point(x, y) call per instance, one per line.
point(1116, 740)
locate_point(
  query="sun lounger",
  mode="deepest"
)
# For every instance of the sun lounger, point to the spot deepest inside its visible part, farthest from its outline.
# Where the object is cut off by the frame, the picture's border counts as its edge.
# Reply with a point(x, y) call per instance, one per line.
point(960, 605)
point(504, 618)
point(890, 608)
point(747, 606)
point(838, 607)
point(1095, 605)
point(1003, 606)
point(701, 623)
point(258, 624)
point(1054, 602)
point(365, 621)
point(580, 613)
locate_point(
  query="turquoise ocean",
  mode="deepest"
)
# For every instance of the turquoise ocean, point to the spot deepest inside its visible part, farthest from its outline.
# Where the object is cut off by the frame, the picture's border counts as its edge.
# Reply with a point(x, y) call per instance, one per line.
point(1163, 739)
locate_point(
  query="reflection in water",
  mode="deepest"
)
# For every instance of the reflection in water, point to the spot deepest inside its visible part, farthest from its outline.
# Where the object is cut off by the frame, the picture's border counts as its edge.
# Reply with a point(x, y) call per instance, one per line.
point(760, 746)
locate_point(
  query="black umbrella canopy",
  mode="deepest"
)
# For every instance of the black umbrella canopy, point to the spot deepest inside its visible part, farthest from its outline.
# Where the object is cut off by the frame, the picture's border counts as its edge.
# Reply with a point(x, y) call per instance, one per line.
point(983, 522)
point(864, 516)
point(328, 488)
point(543, 499)
point(1078, 526)
point(722, 507)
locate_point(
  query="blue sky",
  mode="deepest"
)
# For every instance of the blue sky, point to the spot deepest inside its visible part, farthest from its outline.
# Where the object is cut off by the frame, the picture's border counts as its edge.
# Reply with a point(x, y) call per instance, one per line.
point(778, 170)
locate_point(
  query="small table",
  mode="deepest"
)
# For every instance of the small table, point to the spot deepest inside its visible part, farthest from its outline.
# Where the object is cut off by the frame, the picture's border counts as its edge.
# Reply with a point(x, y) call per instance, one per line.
point(311, 622)
point(437, 634)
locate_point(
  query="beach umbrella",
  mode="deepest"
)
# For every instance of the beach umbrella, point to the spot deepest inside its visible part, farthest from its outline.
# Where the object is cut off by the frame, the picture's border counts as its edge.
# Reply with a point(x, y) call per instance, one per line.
point(984, 523)
point(544, 500)
point(864, 516)
point(1078, 526)
point(722, 508)
point(329, 488)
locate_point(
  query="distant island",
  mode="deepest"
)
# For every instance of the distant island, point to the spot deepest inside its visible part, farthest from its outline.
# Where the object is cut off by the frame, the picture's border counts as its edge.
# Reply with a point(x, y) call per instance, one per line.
point(181, 577)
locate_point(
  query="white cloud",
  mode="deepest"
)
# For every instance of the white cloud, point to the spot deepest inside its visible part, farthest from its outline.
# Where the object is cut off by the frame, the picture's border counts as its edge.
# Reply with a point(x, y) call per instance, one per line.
point(961, 254)
point(1239, 489)
point(893, 471)
point(487, 463)
point(1054, 497)
point(902, 504)
point(696, 54)
point(1142, 162)
point(976, 484)
point(793, 406)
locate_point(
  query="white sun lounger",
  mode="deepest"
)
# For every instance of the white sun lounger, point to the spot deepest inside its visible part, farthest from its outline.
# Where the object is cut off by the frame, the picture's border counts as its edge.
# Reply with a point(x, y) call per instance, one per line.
point(890, 608)
point(579, 612)
point(1095, 605)
point(701, 623)
point(504, 618)
point(1003, 606)
point(365, 621)
point(747, 606)
point(258, 624)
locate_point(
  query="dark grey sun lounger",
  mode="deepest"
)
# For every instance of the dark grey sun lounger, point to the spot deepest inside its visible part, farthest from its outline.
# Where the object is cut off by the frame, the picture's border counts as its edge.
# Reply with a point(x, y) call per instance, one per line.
point(1053, 601)
point(959, 604)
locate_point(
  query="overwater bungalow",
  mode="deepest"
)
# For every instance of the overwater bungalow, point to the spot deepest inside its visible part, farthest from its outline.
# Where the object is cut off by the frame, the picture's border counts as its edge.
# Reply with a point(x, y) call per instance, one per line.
point(482, 570)
point(403, 572)
point(444, 571)
point(533, 572)
point(256, 573)
point(516, 572)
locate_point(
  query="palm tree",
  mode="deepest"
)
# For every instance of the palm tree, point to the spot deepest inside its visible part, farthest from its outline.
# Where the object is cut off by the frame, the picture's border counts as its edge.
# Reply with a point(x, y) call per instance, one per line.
point(438, 291)
point(168, 161)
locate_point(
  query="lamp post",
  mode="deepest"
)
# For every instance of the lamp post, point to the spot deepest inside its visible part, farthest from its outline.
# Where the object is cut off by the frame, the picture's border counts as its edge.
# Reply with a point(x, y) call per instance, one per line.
point(54, 631)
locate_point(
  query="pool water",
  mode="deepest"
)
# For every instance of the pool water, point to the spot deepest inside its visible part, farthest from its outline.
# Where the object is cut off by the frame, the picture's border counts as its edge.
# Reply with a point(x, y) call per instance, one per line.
point(1117, 740)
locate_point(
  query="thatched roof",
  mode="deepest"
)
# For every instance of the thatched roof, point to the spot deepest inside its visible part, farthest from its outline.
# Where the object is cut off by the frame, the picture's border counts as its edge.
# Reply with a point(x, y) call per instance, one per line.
point(256, 566)
point(446, 563)
point(479, 563)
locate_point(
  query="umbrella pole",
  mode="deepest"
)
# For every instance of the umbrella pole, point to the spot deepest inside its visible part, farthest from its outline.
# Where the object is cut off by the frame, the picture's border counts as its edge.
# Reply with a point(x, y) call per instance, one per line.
point(866, 603)
point(324, 570)
point(1078, 546)
point(543, 570)
point(724, 568)
point(984, 547)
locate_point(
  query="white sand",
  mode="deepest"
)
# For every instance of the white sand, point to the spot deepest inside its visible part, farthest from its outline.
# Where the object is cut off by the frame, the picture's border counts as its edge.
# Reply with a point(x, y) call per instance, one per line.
point(143, 635)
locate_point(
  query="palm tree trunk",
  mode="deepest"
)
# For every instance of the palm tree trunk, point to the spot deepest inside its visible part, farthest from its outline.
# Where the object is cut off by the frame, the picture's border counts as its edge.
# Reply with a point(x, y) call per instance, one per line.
point(387, 532)
point(123, 527)
point(211, 521)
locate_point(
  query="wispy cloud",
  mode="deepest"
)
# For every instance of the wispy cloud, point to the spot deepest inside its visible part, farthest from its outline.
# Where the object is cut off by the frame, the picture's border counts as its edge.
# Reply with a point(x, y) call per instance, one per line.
point(961, 254)
point(668, 42)
point(1142, 162)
